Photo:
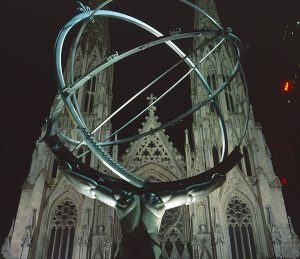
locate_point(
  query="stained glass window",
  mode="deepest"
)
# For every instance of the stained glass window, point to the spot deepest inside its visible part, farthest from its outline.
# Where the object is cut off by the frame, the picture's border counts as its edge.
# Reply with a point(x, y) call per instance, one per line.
point(239, 221)
point(247, 161)
point(62, 230)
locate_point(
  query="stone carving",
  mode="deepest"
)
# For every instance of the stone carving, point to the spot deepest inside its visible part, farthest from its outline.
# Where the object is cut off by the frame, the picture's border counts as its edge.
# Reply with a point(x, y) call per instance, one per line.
point(101, 230)
point(103, 250)
point(198, 164)
point(219, 240)
point(29, 229)
point(27, 238)
point(238, 212)
point(295, 240)
point(185, 253)
point(154, 148)
point(5, 249)
point(275, 234)
point(84, 238)
point(62, 224)
point(204, 253)
point(200, 249)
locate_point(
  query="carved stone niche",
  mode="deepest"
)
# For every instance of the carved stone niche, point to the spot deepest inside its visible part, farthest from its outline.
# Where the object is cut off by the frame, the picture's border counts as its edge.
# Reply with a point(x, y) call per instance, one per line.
point(52, 182)
point(251, 179)
point(101, 230)
point(202, 229)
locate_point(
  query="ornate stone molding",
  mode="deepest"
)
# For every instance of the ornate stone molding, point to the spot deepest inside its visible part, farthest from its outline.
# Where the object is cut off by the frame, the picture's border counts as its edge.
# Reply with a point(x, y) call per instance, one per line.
point(275, 234)
point(295, 240)
point(156, 148)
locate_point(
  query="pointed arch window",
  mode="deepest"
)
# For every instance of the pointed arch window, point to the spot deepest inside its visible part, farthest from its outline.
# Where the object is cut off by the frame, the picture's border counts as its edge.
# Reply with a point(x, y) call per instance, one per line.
point(171, 234)
point(215, 155)
point(208, 79)
point(228, 95)
point(247, 161)
point(240, 229)
point(62, 230)
point(89, 97)
point(54, 169)
point(212, 82)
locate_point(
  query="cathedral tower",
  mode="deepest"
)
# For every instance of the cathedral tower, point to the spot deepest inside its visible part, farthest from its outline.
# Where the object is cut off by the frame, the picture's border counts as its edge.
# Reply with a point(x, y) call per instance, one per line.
point(59, 222)
point(245, 218)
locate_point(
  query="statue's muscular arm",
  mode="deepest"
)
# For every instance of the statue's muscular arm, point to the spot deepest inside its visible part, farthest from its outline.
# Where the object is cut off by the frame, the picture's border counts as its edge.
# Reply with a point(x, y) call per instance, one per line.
point(192, 194)
point(122, 199)
point(91, 189)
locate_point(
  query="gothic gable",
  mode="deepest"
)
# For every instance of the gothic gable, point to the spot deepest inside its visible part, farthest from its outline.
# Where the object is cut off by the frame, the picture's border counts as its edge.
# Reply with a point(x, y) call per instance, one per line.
point(154, 149)
point(236, 183)
point(64, 188)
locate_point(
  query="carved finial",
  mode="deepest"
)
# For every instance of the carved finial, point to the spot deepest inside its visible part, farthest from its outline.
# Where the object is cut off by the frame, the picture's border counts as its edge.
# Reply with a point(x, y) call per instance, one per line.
point(187, 142)
point(188, 156)
point(152, 107)
point(270, 216)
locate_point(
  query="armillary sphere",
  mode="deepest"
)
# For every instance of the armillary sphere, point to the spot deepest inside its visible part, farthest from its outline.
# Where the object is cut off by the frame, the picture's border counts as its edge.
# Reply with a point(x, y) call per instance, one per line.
point(216, 37)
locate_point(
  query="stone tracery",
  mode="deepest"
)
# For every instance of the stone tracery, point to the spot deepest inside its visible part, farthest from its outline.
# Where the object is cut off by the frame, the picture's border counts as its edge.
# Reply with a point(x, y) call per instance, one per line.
point(240, 221)
point(62, 229)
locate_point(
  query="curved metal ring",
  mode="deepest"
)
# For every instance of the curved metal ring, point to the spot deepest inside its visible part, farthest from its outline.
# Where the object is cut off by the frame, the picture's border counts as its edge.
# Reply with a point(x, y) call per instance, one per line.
point(93, 145)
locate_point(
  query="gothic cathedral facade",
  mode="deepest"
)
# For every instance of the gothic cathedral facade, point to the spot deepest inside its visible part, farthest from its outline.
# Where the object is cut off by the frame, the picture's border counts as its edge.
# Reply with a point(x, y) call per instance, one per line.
point(245, 218)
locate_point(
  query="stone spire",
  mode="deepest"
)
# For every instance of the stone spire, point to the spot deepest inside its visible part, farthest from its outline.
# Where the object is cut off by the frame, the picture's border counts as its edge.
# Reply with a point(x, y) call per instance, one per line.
point(202, 22)
point(188, 157)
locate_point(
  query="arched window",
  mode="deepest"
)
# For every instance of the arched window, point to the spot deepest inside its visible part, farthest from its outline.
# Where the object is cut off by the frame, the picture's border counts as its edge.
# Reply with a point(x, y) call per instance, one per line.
point(54, 169)
point(62, 230)
point(215, 155)
point(239, 221)
point(170, 234)
point(90, 95)
point(247, 161)
point(228, 95)
point(208, 79)
point(212, 82)
point(88, 158)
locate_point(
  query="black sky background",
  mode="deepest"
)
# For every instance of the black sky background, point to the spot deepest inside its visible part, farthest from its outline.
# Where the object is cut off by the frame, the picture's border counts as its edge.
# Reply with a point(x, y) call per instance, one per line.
point(28, 33)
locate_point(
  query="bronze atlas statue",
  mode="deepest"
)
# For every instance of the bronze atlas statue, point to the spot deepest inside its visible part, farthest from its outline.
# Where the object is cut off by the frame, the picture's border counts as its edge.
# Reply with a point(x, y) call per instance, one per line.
point(139, 204)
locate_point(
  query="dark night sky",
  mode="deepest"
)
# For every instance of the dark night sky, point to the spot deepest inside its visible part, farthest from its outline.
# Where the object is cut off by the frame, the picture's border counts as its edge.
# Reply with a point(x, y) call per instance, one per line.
point(28, 32)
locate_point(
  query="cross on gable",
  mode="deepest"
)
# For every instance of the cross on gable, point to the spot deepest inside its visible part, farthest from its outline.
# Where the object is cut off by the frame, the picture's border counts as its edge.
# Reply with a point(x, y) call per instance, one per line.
point(151, 100)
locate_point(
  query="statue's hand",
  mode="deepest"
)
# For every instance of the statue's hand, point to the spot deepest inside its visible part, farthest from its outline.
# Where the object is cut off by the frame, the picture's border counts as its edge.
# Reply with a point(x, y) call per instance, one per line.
point(83, 184)
point(197, 192)
point(89, 187)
